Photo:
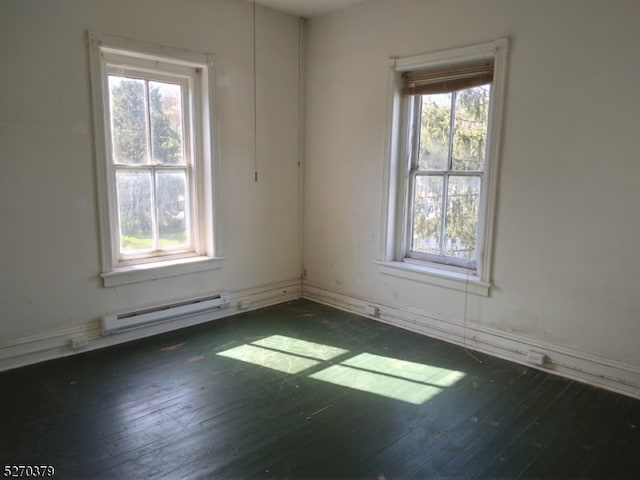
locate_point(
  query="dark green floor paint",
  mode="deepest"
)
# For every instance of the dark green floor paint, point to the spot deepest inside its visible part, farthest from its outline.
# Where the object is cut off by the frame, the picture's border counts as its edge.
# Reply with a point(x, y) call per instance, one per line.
point(366, 400)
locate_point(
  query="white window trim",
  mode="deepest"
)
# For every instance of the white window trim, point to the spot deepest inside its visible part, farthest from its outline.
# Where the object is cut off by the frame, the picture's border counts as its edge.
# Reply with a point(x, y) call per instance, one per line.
point(208, 253)
point(391, 256)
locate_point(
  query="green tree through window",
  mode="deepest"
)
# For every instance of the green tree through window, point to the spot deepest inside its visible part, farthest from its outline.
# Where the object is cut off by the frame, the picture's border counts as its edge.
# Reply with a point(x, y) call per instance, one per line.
point(448, 173)
point(151, 176)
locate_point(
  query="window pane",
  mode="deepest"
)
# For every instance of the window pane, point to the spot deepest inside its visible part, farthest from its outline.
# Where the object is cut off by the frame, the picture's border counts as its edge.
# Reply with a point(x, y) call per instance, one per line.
point(462, 217)
point(435, 125)
point(128, 120)
point(171, 192)
point(427, 214)
point(470, 128)
point(165, 101)
point(134, 210)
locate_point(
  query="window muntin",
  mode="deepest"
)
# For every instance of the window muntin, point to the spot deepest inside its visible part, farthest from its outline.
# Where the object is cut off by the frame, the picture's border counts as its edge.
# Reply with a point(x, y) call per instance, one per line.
point(447, 159)
point(151, 161)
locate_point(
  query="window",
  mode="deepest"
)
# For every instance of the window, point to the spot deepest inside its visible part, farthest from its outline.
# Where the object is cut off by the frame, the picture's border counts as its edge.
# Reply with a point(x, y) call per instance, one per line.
point(447, 151)
point(153, 111)
point(441, 178)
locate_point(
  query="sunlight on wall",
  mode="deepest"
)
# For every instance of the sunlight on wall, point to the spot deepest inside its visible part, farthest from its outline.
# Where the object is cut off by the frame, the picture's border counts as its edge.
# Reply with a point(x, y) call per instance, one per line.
point(385, 376)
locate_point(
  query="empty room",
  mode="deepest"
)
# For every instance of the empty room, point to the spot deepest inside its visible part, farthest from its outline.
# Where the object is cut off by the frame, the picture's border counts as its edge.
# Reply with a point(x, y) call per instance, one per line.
point(319, 239)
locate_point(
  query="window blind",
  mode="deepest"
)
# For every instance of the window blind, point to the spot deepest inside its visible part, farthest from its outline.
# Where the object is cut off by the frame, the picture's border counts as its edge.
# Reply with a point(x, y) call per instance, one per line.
point(447, 79)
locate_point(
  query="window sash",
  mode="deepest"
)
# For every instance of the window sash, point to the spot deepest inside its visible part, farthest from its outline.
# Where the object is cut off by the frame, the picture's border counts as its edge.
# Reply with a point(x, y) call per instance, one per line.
point(155, 250)
point(414, 112)
point(441, 257)
point(123, 66)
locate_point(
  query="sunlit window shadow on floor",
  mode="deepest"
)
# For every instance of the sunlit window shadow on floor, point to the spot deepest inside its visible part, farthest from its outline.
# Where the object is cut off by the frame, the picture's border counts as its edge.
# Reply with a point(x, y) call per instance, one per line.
point(282, 362)
point(389, 377)
point(284, 354)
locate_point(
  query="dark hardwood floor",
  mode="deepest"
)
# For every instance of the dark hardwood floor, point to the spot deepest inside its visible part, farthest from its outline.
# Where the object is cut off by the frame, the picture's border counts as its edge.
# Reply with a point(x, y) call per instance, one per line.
point(301, 390)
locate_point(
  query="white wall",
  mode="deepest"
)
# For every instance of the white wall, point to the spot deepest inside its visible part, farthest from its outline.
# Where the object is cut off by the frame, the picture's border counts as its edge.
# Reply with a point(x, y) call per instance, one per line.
point(49, 242)
point(567, 239)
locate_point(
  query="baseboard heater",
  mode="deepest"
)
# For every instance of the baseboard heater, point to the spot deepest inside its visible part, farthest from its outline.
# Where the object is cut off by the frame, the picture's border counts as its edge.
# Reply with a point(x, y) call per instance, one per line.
point(119, 322)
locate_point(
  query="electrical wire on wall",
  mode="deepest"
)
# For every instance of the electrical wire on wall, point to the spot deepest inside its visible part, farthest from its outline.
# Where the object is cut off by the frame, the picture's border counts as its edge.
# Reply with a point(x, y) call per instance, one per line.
point(255, 99)
point(301, 145)
point(464, 324)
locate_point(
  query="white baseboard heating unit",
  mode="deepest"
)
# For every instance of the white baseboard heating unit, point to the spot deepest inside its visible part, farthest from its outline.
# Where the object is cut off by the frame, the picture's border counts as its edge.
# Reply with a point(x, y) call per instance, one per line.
point(118, 322)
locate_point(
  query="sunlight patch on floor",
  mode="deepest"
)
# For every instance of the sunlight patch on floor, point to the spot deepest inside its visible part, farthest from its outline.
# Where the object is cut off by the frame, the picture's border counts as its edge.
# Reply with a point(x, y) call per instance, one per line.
point(389, 377)
point(379, 384)
point(434, 376)
point(303, 348)
point(282, 362)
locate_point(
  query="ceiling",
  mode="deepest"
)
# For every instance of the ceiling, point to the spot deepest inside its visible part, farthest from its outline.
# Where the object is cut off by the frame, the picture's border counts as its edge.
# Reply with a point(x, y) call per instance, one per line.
point(307, 8)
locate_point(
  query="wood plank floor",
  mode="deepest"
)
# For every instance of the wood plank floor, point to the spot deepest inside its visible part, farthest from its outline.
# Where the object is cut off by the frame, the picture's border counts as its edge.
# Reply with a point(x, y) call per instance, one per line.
point(301, 390)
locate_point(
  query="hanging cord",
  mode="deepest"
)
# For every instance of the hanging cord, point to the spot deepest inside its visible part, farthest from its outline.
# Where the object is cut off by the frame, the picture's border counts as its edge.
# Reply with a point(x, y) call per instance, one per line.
point(255, 102)
point(300, 152)
point(464, 325)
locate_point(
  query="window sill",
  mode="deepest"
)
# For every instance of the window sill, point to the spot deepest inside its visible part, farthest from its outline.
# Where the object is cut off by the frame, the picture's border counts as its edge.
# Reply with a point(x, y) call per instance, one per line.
point(436, 275)
point(153, 271)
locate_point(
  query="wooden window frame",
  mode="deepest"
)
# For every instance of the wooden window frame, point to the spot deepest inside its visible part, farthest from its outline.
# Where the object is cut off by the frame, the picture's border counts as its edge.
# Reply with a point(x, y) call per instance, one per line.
point(196, 73)
point(393, 258)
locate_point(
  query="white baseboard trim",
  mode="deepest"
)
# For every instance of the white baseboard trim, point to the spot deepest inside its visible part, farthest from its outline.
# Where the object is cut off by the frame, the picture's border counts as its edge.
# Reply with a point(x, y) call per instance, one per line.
point(597, 371)
point(601, 372)
point(54, 344)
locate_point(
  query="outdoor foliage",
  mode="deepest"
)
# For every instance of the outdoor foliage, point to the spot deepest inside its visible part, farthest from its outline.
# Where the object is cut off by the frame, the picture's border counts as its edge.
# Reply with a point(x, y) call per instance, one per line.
point(450, 164)
point(146, 126)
